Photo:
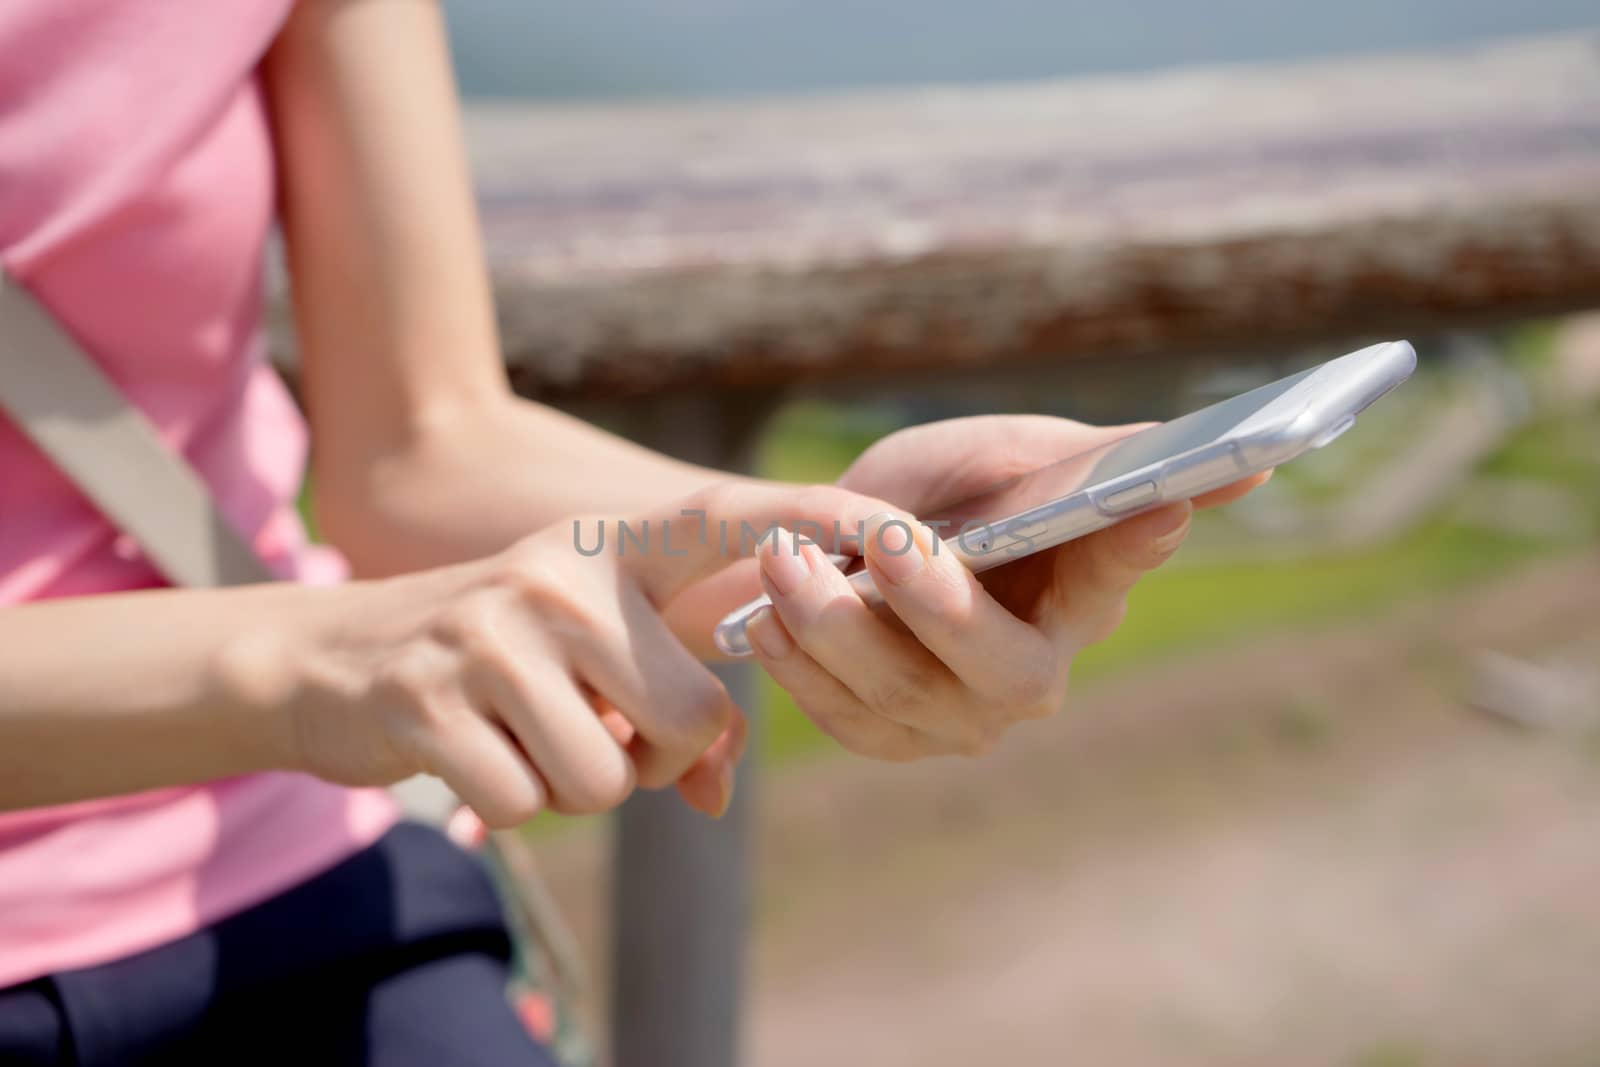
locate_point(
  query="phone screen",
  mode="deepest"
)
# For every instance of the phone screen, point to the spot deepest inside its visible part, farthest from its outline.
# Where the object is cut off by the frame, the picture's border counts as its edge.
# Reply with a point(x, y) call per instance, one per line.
point(1111, 461)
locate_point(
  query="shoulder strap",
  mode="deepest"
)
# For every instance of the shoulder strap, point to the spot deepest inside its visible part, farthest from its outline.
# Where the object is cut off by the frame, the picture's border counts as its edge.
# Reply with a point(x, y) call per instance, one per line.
point(62, 400)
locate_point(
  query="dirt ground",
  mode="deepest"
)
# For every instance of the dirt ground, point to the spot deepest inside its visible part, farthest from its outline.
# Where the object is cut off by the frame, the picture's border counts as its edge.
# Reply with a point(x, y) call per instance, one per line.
point(1308, 851)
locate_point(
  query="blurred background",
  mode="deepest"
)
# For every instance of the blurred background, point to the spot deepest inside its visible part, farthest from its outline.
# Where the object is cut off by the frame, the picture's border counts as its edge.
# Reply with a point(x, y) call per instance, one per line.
point(1332, 794)
point(729, 48)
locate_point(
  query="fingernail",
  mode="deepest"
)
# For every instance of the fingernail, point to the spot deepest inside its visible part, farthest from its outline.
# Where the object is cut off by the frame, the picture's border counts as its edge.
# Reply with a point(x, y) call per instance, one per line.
point(1170, 533)
point(768, 634)
point(893, 547)
point(784, 564)
point(725, 783)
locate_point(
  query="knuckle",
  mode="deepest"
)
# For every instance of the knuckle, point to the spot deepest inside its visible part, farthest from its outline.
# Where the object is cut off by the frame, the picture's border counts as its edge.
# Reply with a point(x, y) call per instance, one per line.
point(409, 679)
point(683, 726)
point(527, 573)
point(600, 786)
point(817, 497)
point(1029, 690)
point(863, 732)
point(655, 775)
point(955, 584)
point(707, 496)
point(414, 715)
point(828, 498)
point(468, 624)
point(552, 597)
point(898, 690)
point(839, 722)
point(508, 811)
point(703, 711)
point(716, 499)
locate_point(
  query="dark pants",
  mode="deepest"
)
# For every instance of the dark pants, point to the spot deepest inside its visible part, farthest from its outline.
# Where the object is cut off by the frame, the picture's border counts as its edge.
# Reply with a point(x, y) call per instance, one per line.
point(396, 957)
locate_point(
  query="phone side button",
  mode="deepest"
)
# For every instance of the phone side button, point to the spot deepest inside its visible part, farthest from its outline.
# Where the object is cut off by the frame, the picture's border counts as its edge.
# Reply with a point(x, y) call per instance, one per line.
point(1334, 432)
point(1127, 499)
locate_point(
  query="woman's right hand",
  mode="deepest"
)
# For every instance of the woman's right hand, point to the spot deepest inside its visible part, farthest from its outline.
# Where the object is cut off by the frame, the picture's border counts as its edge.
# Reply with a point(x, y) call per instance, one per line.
point(541, 677)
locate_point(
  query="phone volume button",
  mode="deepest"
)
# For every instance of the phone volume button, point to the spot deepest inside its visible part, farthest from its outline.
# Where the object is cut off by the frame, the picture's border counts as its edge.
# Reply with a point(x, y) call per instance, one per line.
point(1129, 498)
point(1024, 532)
point(1333, 433)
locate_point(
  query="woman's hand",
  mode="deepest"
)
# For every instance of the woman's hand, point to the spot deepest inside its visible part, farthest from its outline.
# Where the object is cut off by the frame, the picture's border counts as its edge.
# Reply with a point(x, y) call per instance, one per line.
point(964, 658)
point(541, 677)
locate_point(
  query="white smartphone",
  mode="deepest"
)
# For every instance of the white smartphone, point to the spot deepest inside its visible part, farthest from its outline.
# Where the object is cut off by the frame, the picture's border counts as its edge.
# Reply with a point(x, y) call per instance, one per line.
point(1177, 460)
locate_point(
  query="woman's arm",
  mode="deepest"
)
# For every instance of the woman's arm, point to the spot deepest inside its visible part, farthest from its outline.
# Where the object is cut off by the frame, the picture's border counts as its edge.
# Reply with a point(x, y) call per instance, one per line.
point(112, 694)
point(535, 677)
point(421, 454)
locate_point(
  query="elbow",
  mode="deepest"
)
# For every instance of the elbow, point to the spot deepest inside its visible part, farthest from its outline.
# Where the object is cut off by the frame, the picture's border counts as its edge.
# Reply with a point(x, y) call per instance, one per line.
point(348, 507)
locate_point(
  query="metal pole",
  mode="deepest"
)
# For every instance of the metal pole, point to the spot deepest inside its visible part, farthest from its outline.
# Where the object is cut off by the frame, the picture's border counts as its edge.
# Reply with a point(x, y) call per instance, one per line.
point(680, 885)
point(681, 898)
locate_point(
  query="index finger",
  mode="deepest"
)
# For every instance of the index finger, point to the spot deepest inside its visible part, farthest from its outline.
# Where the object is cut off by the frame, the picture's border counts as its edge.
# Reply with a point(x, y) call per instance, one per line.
point(670, 551)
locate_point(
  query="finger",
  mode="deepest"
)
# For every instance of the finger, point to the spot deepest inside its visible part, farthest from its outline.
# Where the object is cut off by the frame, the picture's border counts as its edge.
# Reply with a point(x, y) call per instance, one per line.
point(486, 769)
point(676, 707)
point(994, 653)
point(1229, 493)
point(887, 669)
point(707, 786)
point(724, 522)
point(1094, 574)
point(829, 703)
point(584, 769)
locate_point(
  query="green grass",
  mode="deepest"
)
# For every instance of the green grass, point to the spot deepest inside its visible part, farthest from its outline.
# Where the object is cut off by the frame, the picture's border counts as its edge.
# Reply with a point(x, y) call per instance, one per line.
point(1564, 451)
point(307, 511)
point(1192, 607)
point(1391, 1054)
point(815, 442)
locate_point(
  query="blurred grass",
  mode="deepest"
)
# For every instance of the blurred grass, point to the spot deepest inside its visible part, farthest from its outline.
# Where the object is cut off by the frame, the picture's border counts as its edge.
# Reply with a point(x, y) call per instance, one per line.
point(307, 510)
point(811, 441)
point(1563, 451)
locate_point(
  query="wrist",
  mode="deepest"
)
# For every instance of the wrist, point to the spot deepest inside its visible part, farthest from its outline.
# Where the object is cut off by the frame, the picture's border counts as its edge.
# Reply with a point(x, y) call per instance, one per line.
point(253, 677)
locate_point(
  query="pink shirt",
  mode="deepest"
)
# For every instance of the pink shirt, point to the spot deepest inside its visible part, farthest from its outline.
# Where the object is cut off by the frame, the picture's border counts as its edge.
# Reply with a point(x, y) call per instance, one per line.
point(136, 192)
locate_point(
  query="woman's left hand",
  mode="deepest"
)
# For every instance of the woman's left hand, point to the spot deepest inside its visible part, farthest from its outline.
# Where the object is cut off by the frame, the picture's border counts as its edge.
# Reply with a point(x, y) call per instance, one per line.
point(963, 658)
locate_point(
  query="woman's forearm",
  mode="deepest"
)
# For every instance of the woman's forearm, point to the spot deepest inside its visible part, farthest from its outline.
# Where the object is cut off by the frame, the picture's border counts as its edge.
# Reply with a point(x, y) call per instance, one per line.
point(512, 468)
point(113, 694)
point(482, 674)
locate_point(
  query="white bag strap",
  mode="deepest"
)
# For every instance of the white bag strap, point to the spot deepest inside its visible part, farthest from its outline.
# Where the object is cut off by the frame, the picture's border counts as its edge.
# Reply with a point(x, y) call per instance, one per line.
point(61, 399)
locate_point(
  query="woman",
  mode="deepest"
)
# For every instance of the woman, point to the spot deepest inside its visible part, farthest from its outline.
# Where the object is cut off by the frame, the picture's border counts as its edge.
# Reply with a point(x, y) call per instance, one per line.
point(192, 853)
